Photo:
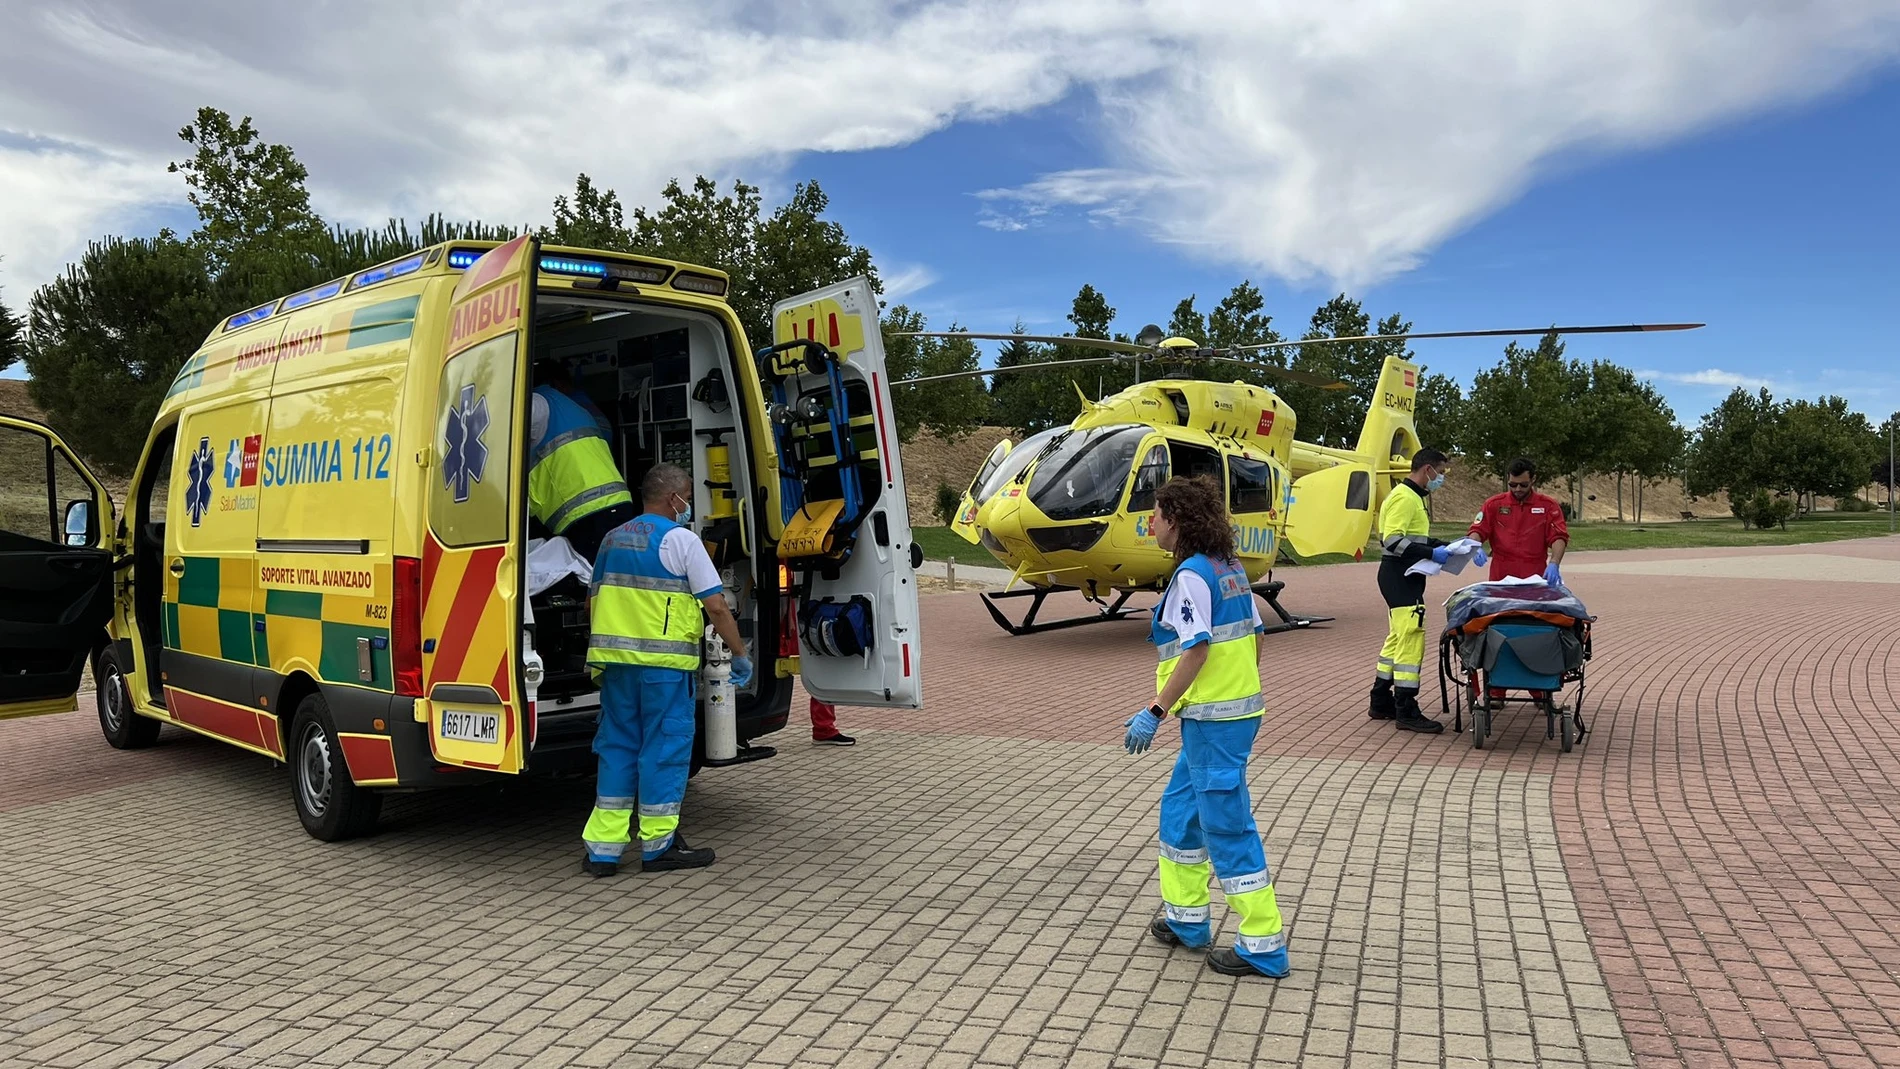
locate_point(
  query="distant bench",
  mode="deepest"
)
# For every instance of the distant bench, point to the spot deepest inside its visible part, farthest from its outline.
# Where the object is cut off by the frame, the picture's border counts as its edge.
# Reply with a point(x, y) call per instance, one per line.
point(1688, 515)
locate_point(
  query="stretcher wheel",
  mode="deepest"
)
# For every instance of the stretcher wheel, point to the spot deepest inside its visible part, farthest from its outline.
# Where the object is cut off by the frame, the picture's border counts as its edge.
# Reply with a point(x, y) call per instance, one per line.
point(1480, 723)
point(1566, 728)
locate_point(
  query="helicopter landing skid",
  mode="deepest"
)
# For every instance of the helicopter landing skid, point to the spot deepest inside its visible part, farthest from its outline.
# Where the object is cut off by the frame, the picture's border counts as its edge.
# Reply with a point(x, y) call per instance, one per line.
point(1029, 626)
point(1270, 593)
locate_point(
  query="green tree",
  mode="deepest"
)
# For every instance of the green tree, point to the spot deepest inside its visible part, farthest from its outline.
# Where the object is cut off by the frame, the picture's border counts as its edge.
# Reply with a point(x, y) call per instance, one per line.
point(12, 338)
point(1439, 412)
point(592, 220)
point(109, 336)
point(248, 193)
point(1529, 404)
point(953, 407)
point(1732, 450)
point(1634, 431)
point(1015, 400)
point(1335, 417)
point(1822, 448)
point(1032, 401)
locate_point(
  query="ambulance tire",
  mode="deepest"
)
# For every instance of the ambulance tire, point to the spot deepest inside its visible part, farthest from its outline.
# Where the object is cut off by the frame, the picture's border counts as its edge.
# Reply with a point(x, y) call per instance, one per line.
point(330, 805)
point(123, 728)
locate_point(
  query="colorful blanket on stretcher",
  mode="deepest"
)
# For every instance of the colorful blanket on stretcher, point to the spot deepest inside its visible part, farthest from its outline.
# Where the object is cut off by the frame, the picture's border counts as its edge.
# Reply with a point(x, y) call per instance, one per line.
point(1473, 607)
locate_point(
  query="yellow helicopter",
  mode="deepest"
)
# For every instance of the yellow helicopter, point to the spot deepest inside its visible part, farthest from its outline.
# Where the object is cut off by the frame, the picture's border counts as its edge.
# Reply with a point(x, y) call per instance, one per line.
point(1069, 508)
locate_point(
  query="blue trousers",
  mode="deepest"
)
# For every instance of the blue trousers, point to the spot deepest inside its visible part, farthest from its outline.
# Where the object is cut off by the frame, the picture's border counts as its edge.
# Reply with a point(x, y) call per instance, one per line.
point(645, 746)
point(1207, 829)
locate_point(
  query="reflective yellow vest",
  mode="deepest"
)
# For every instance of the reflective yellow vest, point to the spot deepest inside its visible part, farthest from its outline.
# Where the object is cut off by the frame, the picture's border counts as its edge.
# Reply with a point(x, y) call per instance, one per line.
point(641, 613)
point(1228, 686)
point(571, 470)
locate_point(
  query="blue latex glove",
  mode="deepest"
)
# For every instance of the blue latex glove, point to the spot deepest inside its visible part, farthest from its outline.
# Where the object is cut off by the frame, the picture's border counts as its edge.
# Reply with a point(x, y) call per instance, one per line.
point(741, 671)
point(1478, 558)
point(1441, 554)
point(1141, 731)
point(1552, 576)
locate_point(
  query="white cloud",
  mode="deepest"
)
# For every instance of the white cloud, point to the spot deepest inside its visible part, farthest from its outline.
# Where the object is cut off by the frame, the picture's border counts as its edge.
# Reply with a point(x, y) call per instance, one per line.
point(1714, 377)
point(902, 281)
point(1343, 140)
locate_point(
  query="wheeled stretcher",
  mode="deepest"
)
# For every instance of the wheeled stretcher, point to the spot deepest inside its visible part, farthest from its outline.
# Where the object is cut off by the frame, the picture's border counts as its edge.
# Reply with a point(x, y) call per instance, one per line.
point(1514, 644)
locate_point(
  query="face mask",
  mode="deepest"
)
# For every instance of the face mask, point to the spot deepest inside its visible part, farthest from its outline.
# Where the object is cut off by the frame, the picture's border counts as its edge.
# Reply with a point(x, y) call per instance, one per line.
point(686, 514)
point(1434, 482)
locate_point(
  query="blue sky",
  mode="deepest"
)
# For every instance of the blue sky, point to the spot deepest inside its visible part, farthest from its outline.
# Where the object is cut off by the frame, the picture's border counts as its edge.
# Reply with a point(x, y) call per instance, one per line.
point(1468, 164)
point(1779, 231)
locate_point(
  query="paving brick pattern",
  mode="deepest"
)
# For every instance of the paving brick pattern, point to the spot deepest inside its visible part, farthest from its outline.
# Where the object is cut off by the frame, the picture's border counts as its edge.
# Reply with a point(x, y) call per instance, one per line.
point(1710, 879)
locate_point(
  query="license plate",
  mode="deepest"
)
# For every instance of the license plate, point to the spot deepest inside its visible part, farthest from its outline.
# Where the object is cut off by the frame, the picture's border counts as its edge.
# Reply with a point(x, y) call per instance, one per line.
point(471, 727)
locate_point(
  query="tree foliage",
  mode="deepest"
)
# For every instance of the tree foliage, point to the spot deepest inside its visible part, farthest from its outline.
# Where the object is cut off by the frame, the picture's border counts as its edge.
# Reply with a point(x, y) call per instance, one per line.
point(108, 338)
point(248, 193)
point(1752, 442)
point(1335, 417)
point(12, 338)
point(952, 408)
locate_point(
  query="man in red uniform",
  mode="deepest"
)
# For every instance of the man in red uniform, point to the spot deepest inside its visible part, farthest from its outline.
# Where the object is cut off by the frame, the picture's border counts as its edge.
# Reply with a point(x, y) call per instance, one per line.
point(1524, 529)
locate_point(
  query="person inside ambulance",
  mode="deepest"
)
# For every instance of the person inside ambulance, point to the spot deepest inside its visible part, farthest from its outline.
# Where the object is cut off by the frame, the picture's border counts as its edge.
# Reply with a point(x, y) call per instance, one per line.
point(650, 582)
point(1525, 530)
point(574, 488)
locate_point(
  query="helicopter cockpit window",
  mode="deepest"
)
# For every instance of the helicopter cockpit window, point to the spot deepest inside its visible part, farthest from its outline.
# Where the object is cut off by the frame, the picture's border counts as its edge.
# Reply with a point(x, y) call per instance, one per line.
point(1148, 478)
point(1082, 476)
point(1018, 459)
point(1249, 485)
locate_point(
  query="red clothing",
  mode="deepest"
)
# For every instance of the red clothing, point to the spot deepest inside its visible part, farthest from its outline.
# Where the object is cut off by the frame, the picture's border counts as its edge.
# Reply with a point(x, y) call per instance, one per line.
point(1519, 533)
point(824, 719)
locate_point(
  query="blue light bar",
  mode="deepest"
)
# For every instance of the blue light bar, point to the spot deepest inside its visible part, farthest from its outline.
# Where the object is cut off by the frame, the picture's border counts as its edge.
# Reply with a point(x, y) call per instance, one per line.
point(563, 265)
point(321, 293)
point(388, 271)
point(245, 319)
point(462, 259)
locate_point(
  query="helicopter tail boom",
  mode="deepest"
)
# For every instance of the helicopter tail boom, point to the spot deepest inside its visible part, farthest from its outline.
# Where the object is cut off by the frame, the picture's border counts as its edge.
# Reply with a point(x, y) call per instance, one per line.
point(1391, 427)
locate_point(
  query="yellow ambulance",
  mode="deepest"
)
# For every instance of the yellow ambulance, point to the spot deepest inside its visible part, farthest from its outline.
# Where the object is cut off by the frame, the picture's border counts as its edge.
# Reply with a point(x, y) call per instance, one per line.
point(328, 556)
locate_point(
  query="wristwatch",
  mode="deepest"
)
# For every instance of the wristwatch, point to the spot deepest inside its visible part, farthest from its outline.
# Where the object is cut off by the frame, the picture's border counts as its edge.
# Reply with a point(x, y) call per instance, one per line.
point(1158, 711)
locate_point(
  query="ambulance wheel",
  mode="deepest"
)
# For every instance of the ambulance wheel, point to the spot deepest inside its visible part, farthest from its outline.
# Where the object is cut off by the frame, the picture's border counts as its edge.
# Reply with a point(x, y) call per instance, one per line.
point(123, 728)
point(331, 806)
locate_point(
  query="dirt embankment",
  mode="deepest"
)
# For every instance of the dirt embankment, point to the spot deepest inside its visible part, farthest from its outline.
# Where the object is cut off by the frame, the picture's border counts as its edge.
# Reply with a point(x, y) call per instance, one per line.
point(930, 460)
point(16, 402)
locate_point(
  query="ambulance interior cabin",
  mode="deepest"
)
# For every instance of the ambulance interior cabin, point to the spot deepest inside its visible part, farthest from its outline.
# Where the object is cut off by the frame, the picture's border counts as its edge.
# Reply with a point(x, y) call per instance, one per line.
point(663, 378)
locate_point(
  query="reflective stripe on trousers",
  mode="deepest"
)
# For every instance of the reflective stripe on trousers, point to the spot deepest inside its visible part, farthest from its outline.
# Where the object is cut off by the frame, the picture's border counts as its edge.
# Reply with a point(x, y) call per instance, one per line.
point(1208, 830)
point(1404, 649)
point(645, 744)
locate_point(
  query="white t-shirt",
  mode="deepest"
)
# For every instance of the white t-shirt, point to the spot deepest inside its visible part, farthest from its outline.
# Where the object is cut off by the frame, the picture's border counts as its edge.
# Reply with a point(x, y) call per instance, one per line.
point(1189, 607)
point(683, 554)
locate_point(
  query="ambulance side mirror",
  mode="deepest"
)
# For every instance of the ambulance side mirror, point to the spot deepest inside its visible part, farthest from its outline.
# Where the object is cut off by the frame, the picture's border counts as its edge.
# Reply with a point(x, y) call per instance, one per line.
point(82, 528)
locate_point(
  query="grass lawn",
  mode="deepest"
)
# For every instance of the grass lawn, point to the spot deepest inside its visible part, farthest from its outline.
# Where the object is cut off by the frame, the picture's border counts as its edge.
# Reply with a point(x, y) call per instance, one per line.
point(940, 543)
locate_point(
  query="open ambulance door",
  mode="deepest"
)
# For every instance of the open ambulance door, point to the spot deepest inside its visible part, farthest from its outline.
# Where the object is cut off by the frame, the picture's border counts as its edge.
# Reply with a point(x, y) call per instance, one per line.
point(1330, 511)
point(847, 535)
point(965, 522)
point(55, 569)
point(470, 575)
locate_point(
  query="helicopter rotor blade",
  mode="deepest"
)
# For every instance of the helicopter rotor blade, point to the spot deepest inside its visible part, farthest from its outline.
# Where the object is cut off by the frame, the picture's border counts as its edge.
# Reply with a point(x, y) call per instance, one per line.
point(1005, 370)
point(1290, 375)
point(1538, 332)
point(1042, 339)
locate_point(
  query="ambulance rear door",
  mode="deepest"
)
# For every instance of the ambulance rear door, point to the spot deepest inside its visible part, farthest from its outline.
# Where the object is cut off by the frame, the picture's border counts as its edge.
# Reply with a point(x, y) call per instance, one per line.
point(55, 569)
point(471, 581)
point(881, 569)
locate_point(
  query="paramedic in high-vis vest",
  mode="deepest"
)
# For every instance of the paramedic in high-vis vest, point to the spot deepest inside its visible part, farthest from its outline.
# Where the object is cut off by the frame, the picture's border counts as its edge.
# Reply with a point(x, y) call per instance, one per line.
point(1405, 534)
point(1207, 629)
point(575, 489)
point(650, 581)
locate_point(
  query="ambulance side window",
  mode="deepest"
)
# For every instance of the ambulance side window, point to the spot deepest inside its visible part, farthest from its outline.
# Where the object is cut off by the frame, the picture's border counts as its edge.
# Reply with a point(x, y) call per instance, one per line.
point(1148, 478)
point(27, 504)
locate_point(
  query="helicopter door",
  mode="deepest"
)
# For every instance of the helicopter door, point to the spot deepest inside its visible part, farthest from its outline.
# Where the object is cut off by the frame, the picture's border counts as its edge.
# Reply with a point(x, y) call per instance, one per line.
point(1331, 511)
point(964, 522)
point(858, 633)
point(55, 569)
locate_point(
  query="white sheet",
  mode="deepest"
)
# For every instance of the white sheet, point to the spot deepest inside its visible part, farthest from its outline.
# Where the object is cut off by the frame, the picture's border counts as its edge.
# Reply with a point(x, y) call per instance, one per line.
point(553, 559)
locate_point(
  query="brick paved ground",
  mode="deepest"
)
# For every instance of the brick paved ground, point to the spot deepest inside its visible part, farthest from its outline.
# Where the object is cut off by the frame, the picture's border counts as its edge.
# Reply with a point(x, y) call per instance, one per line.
point(1711, 878)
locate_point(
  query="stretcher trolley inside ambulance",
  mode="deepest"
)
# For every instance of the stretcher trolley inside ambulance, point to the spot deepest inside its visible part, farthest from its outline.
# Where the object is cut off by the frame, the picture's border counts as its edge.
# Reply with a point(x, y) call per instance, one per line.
point(327, 555)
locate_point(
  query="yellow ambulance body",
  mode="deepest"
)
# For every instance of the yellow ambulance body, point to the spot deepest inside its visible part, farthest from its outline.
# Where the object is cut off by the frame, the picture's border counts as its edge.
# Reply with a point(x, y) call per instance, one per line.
point(326, 555)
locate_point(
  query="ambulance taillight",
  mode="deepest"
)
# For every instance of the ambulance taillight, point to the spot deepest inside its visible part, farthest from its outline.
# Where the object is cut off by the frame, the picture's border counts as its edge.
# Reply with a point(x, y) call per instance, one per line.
point(405, 632)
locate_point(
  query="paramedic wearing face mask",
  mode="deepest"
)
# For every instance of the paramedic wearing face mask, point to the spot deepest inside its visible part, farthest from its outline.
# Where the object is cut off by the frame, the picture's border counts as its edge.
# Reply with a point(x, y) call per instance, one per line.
point(1405, 533)
point(1525, 529)
point(650, 581)
point(1207, 629)
point(575, 489)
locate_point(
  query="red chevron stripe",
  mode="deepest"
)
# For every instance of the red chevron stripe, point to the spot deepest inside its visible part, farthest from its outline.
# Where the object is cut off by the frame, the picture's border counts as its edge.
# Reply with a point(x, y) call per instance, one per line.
point(466, 614)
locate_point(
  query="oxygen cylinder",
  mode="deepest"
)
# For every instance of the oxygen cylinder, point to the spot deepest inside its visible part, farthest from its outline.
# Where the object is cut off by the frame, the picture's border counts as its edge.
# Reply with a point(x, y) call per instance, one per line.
point(719, 478)
point(722, 724)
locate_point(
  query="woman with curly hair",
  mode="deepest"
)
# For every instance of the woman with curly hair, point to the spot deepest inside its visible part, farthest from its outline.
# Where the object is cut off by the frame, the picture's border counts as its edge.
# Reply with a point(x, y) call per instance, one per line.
point(1207, 628)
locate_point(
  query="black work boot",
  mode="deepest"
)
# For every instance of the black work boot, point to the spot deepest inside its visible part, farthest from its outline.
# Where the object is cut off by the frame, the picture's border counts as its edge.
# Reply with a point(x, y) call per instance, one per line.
point(678, 856)
point(1383, 705)
point(1412, 718)
point(590, 867)
point(1228, 962)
